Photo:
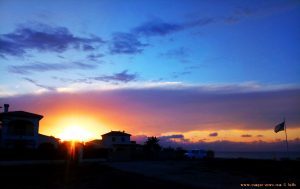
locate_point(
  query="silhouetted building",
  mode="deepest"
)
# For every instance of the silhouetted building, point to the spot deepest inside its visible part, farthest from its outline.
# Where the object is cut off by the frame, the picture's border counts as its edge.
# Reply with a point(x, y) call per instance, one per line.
point(20, 129)
point(113, 138)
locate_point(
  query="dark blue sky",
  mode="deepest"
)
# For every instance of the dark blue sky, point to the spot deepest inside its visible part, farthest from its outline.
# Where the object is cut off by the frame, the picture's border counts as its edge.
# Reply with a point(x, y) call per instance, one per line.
point(78, 45)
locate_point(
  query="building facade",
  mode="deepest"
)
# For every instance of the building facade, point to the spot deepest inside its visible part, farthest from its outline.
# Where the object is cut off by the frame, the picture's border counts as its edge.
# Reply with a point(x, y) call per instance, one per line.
point(114, 138)
point(19, 129)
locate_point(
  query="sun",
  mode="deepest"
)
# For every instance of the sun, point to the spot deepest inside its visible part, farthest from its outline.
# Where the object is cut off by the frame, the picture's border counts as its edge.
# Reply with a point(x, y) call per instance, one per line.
point(76, 133)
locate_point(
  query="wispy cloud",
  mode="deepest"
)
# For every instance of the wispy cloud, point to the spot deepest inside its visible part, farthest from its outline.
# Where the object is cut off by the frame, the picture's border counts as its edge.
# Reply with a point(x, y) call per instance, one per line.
point(43, 37)
point(179, 136)
point(130, 42)
point(126, 43)
point(213, 134)
point(246, 136)
point(95, 57)
point(45, 67)
point(123, 76)
point(266, 8)
point(34, 82)
point(158, 27)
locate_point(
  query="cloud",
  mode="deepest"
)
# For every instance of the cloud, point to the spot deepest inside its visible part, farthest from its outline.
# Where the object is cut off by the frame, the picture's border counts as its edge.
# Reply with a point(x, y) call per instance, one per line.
point(168, 137)
point(95, 57)
point(126, 43)
point(123, 76)
point(171, 140)
point(88, 48)
point(180, 54)
point(158, 27)
point(213, 134)
point(43, 37)
point(130, 42)
point(259, 135)
point(264, 8)
point(246, 135)
point(45, 67)
point(49, 88)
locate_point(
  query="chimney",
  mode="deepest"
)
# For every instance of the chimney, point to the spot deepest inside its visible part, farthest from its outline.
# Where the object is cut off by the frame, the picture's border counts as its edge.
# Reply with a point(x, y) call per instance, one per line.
point(6, 106)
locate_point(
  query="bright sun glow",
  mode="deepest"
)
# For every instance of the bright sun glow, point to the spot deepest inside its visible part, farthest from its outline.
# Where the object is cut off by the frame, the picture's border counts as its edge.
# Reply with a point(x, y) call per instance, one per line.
point(75, 133)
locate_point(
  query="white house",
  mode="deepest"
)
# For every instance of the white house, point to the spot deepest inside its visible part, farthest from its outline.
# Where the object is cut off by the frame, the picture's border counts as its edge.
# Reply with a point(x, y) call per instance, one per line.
point(19, 129)
point(114, 138)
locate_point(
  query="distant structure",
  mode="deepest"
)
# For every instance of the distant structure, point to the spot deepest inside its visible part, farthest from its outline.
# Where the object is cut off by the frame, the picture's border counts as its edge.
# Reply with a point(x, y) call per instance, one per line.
point(113, 138)
point(20, 129)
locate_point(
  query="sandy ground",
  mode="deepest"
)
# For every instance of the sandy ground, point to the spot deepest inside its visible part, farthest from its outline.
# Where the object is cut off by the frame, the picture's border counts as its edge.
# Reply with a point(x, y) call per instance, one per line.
point(220, 174)
point(83, 176)
point(203, 174)
point(189, 173)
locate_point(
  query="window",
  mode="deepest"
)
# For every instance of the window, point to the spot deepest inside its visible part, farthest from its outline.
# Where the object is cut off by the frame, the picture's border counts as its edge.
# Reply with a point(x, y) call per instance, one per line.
point(113, 139)
point(21, 128)
point(123, 139)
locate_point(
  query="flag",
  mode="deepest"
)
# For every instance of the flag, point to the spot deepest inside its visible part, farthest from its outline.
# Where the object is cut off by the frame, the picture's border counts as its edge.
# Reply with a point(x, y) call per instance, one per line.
point(279, 127)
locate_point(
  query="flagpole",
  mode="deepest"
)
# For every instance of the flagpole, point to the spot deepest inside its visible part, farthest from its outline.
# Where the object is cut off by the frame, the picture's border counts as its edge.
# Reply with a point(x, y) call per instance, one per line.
point(287, 144)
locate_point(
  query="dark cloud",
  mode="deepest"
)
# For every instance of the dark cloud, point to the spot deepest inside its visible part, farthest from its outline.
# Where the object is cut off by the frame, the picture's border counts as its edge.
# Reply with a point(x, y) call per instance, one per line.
point(178, 136)
point(171, 140)
point(159, 27)
point(95, 57)
point(88, 48)
point(42, 37)
point(263, 8)
point(44, 67)
point(123, 76)
point(126, 43)
point(34, 82)
point(259, 135)
point(213, 134)
point(10, 48)
point(130, 43)
point(246, 135)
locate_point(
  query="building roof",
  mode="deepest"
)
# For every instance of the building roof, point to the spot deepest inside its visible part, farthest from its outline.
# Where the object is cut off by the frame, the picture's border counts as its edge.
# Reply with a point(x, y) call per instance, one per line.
point(20, 114)
point(116, 133)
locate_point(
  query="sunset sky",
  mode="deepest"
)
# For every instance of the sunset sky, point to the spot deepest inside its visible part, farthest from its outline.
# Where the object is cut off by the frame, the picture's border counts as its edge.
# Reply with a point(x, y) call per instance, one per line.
point(191, 72)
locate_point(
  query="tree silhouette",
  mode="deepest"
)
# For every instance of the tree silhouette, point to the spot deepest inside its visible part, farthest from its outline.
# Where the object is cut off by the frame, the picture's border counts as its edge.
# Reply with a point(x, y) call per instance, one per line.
point(152, 144)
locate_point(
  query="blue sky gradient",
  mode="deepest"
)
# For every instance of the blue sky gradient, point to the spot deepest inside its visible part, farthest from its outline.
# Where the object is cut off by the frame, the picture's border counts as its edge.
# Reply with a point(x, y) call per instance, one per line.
point(198, 42)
